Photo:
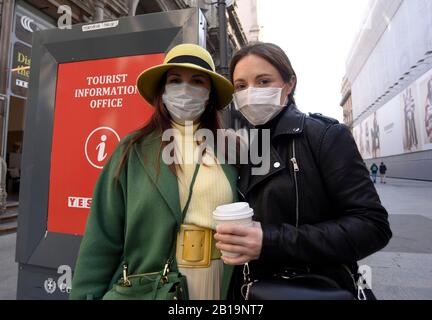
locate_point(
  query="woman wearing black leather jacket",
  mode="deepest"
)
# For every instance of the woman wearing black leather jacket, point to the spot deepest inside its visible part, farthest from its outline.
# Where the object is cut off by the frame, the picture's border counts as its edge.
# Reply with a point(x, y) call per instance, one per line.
point(317, 208)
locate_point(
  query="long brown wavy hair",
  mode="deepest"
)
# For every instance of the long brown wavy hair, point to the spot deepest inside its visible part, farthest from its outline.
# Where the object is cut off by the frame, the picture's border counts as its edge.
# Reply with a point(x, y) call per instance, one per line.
point(161, 121)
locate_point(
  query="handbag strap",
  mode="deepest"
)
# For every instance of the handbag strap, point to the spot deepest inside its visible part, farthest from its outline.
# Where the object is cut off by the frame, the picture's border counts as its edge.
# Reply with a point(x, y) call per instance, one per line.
point(171, 261)
point(186, 207)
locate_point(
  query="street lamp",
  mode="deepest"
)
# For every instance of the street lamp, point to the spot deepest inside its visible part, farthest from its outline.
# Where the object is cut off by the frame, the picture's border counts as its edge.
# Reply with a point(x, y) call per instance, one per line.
point(223, 46)
point(223, 34)
point(223, 38)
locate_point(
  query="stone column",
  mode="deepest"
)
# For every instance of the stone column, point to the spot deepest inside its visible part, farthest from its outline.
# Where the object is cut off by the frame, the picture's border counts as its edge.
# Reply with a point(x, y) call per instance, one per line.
point(7, 14)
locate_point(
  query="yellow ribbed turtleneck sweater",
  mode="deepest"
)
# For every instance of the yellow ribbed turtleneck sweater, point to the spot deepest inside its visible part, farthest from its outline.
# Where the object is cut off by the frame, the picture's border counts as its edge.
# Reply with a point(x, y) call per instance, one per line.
point(211, 189)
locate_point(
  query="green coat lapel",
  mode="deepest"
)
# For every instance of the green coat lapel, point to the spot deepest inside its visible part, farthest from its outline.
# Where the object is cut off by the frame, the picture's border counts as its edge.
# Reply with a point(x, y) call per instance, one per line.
point(165, 181)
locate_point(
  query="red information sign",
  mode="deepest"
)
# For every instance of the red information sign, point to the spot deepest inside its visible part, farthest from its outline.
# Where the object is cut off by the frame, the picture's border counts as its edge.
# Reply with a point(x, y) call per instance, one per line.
point(96, 105)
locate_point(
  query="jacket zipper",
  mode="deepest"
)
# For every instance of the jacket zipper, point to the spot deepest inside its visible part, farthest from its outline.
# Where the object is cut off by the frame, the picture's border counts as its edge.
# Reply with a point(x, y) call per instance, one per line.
point(360, 293)
point(296, 170)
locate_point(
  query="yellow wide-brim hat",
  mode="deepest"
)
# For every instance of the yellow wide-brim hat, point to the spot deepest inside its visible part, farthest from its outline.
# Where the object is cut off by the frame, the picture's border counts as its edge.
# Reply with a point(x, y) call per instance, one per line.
point(188, 56)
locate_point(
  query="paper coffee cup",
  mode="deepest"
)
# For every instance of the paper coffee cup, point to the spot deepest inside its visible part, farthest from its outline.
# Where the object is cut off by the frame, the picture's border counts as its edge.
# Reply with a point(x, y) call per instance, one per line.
point(233, 213)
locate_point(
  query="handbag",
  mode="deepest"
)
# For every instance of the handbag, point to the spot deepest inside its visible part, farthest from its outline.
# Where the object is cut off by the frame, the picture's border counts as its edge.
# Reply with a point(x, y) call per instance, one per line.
point(293, 286)
point(163, 285)
point(166, 284)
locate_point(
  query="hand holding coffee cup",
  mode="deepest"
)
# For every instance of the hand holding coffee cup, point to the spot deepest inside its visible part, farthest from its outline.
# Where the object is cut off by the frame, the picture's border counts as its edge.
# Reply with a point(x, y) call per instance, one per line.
point(237, 238)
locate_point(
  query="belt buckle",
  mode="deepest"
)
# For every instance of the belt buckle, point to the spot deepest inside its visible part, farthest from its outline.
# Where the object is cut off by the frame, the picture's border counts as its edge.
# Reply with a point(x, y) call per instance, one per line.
point(194, 246)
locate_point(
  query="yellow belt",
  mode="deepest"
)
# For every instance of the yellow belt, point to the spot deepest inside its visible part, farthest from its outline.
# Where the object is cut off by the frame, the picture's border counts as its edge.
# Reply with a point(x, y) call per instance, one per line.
point(196, 247)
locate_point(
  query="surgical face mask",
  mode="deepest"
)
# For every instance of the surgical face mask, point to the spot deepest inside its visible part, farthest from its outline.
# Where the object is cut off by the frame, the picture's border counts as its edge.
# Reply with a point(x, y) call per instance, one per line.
point(185, 102)
point(259, 105)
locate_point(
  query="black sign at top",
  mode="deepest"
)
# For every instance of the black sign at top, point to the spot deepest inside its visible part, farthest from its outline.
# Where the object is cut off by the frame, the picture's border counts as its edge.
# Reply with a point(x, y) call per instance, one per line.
point(24, 28)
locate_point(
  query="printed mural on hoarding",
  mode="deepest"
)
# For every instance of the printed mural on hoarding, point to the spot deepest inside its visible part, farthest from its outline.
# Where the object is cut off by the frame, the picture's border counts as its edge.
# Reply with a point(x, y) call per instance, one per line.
point(367, 136)
point(410, 119)
point(375, 136)
point(402, 125)
point(425, 101)
point(389, 119)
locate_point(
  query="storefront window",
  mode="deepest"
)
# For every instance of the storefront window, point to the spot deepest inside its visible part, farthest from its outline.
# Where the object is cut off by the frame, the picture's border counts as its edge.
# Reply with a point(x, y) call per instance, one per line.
point(26, 21)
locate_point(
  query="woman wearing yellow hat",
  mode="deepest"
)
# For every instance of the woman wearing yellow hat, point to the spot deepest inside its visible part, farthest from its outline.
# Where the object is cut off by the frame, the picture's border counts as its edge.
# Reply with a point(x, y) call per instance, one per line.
point(144, 209)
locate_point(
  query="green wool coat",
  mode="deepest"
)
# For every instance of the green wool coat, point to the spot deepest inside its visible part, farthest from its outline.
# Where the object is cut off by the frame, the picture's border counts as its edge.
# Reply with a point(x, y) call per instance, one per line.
point(134, 220)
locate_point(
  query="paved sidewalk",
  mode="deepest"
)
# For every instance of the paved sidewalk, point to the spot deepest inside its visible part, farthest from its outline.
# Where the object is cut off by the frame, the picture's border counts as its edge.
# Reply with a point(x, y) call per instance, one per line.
point(403, 270)
point(8, 267)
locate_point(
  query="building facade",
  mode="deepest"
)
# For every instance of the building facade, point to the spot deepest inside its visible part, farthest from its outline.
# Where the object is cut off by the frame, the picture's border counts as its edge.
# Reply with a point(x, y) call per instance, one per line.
point(390, 71)
point(20, 18)
point(248, 13)
point(346, 103)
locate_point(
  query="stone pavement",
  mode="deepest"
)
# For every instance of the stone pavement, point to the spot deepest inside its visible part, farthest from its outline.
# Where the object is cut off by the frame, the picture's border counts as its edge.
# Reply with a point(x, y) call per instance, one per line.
point(402, 270)
point(8, 267)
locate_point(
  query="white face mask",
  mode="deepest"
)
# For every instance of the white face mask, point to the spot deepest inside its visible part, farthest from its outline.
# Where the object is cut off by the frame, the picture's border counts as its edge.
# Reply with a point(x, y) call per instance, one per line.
point(185, 102)
point(259, 105)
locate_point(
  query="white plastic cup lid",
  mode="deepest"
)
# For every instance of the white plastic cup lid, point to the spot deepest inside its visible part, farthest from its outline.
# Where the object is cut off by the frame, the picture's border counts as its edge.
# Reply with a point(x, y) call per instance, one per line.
point(233, 211)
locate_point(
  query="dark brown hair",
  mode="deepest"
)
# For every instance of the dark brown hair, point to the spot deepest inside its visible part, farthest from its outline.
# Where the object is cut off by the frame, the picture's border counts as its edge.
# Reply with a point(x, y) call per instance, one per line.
point(274, 55)
point(161, 121)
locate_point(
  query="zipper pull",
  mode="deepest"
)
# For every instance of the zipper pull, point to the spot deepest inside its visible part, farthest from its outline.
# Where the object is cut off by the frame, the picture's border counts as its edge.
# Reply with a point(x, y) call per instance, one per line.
point(125, 280)
point(238, 190)
point(295, 164)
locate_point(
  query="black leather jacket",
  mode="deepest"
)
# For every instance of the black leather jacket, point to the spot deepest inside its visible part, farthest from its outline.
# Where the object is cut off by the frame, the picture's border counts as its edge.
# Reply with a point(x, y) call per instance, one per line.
point(317, 206)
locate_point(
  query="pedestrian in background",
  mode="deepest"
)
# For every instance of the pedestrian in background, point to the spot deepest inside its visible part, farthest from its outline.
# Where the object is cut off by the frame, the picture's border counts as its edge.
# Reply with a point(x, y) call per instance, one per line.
point(382, 170)
point(374, 171)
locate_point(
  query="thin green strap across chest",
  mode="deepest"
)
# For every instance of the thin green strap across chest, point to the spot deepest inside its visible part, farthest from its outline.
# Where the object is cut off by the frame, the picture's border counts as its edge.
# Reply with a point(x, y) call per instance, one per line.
point(171, 260)
point(186, 207)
